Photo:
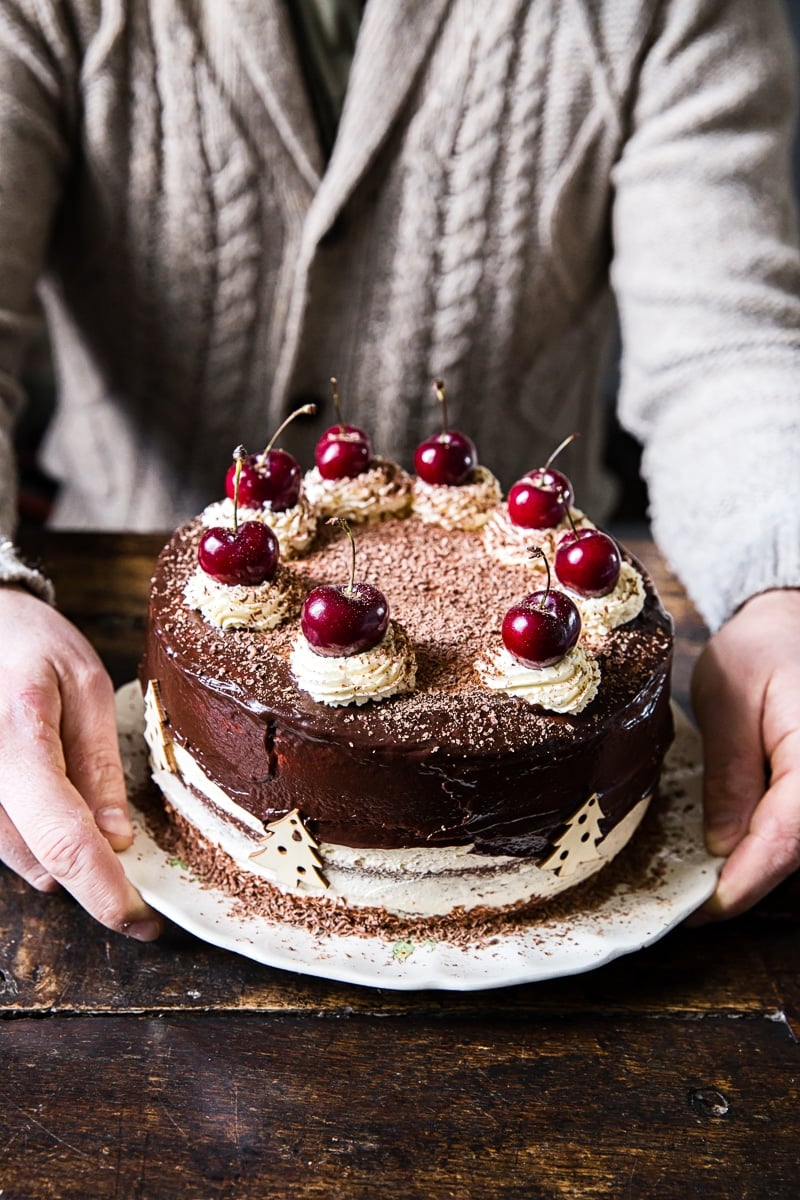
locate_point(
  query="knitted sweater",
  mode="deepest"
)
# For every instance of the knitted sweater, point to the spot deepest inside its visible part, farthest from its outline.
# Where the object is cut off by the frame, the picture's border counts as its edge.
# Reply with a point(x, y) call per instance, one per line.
point(503, 173)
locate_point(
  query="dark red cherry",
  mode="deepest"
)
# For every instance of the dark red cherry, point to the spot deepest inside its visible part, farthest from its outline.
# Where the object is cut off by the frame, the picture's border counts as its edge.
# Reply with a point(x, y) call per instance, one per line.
point(540, 630)
point(340, 620)
point(540, 499)
point(343, 452)
point(588, 561)
point(246, 555)
point(270, 480)
point(447, 459)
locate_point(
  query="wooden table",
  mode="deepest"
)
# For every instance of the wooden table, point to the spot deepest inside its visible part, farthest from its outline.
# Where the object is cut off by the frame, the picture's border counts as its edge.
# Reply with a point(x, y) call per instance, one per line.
point(177, 1070)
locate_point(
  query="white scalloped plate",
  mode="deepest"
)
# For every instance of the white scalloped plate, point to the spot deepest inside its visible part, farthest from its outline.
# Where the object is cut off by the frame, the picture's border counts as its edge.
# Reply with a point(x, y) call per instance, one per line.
point(681, 876)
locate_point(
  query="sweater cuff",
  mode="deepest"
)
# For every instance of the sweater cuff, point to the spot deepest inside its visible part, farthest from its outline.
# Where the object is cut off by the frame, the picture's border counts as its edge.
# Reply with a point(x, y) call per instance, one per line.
point(718, 587)
point(14, 570)
point(773, 565)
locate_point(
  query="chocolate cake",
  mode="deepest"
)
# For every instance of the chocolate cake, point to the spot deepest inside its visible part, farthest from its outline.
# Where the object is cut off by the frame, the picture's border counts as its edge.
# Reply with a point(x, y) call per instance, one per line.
point(448, 799)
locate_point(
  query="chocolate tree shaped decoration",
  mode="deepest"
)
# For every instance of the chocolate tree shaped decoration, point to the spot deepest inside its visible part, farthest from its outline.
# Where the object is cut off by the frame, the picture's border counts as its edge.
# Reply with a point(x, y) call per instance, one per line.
point(156, 728)
point(290, 851)
point(579, 843)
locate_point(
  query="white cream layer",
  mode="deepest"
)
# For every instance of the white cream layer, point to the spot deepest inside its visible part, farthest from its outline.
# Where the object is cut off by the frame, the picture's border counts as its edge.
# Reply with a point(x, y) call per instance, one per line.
point(388, 669)
point(259, 607)
point(380, 492)
point(464, 507)
point(566, 687)
point(295, 528)
point(416, 882)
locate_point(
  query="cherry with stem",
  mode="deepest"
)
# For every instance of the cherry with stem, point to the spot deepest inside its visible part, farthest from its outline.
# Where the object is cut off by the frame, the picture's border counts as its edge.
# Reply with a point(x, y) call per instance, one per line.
point(246, 554)
point(339, 620)
point(542, 498)
point(447, 458)
point(543, 627)
point(343, 451)
point(272, 479)
point(588, 561)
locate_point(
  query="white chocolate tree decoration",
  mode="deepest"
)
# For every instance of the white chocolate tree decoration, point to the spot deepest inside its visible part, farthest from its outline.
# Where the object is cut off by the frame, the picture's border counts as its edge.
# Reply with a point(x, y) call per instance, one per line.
point(157, 729)
point(290, 851)
point(580, 842)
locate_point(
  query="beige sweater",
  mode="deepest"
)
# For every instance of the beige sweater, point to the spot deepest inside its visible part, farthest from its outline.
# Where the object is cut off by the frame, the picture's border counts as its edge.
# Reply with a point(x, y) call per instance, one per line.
point(499, 167)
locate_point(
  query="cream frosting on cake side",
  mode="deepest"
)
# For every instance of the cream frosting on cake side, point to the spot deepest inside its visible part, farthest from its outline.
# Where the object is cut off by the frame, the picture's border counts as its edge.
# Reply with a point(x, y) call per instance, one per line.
point(413, 882)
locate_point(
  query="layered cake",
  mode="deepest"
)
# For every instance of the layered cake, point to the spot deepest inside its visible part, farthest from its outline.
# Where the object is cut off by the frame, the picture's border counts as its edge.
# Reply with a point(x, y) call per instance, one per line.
point(412, 715)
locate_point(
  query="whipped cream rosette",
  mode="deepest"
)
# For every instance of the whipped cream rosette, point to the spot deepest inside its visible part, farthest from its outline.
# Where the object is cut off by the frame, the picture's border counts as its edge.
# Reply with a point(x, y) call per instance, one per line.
point(466, 506)
point(510, 543)
point(566, 687)
point(259, 607)
point(385, 670)
point(451, 489)
point(607, 590)
point(382, 490)
point(295, 527)
point(601, 614)
point(267, 488)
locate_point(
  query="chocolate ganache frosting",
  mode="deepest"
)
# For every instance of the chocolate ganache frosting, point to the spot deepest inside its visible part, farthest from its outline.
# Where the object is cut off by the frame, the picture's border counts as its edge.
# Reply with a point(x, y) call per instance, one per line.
point(450, 764)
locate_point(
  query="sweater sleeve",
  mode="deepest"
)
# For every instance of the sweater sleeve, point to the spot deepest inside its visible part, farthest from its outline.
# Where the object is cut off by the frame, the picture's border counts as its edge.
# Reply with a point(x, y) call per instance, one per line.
point(36, 60)
point(707, 277)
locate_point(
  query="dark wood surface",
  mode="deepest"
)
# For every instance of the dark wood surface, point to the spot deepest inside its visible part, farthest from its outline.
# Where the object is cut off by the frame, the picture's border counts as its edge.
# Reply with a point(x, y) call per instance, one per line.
point(178, 1070)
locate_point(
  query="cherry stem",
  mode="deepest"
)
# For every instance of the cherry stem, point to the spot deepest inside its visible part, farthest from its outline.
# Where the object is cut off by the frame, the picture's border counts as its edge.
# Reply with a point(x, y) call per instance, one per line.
point(569, 516)
point(561, 446)
point(336, 407)
point(438, 387)
point(307, 410)
point(538, 552)
point(340, 521)
point(239, 455)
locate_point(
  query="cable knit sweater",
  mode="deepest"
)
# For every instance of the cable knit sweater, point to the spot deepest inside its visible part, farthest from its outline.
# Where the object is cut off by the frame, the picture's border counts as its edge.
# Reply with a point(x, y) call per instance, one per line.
point(503, 173)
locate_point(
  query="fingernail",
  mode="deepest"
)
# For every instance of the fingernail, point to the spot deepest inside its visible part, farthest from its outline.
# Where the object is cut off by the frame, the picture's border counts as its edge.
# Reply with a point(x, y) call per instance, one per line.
point(143, 931)
point(722, 830)
point(114, 821)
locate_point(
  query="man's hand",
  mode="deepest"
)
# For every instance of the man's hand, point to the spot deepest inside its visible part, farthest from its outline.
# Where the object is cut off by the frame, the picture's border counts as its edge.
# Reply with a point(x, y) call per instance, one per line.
point(746, 697)
point(63, 809)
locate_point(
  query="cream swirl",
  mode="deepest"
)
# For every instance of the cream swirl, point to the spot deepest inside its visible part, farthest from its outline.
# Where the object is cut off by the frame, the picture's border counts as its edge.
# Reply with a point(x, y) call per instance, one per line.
point(295, 527)
point(245, 606)
point(601, 614)
point(384, 490)
point(386, 670)
point(463, 507)
point(566, 687)
point(509, 543)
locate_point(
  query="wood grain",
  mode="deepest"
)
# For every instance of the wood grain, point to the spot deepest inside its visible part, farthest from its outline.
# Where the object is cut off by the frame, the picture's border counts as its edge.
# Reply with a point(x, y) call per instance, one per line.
point(512, 1109)
point(54, 960)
